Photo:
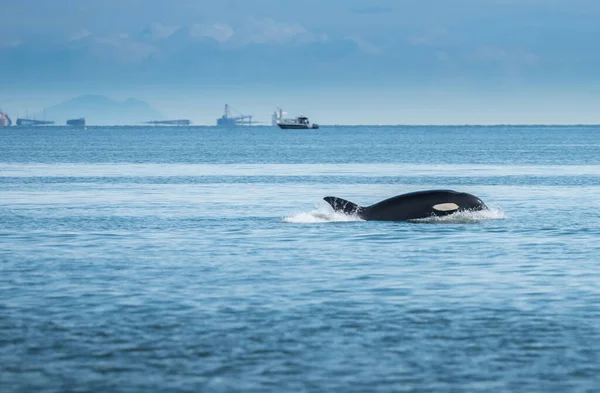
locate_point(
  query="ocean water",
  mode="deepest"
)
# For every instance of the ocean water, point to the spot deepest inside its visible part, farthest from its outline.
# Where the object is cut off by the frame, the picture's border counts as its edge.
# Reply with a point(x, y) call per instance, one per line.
point(199, 259)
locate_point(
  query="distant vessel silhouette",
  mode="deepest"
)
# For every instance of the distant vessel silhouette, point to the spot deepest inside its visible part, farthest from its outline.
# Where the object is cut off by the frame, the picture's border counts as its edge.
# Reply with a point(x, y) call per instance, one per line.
point(182, 122)
point(31, 122)
point(276, 116)
point(76, 122)
point(227, 120)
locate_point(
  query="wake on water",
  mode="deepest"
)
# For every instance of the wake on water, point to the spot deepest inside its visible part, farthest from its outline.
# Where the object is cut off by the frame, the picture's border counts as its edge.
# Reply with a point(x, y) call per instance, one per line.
point(324, 213)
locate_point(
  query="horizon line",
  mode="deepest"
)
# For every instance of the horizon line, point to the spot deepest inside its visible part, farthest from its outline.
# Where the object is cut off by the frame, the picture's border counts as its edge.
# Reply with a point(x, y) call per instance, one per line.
point(322, 125)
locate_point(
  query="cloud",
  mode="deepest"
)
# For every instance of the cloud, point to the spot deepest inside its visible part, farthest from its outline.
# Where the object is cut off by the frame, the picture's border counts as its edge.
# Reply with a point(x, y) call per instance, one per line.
point(503, 55)
point(81, 34)
point(120, 50)
point(236, 38)
point(249, 32)
point(429, 37)
point(366, 46)
point(268, 31)
point(202, 52)
point(219, 32)
point(157, 31)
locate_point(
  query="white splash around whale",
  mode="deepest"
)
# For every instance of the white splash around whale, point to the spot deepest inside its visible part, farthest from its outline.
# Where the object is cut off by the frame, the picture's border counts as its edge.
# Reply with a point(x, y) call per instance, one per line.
point(324, 214)
point(465, 217)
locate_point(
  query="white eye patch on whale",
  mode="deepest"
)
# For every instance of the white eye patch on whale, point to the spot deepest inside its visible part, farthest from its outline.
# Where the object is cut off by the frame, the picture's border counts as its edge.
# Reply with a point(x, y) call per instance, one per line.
point(411, 206)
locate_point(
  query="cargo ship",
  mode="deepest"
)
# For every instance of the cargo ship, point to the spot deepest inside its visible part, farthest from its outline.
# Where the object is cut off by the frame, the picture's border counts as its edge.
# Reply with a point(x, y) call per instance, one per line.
point(182, 122)
point(30, 122)
point(76, 122)
point(227, 120)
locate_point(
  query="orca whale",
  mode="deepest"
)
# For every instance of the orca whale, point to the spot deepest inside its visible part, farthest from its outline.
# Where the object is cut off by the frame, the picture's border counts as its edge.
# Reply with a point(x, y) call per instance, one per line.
point(411, 206)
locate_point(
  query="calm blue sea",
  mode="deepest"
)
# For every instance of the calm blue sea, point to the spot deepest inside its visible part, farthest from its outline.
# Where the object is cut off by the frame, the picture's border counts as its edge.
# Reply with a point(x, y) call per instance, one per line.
point(199, 259)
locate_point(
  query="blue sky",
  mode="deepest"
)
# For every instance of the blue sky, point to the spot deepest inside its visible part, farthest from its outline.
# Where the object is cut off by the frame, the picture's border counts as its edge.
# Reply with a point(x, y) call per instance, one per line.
point(341, 61)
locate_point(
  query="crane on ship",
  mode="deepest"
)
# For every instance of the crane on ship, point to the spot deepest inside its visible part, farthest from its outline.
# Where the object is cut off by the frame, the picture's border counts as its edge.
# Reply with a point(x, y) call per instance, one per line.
point(229, 120)
point(5, 119)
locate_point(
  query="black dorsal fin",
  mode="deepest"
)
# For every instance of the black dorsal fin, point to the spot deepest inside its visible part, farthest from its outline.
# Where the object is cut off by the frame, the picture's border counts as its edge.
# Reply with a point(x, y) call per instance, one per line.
point(342, 205)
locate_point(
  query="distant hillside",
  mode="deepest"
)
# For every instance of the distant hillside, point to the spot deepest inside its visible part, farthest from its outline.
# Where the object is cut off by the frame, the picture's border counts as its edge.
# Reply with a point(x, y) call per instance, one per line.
point(101, 110)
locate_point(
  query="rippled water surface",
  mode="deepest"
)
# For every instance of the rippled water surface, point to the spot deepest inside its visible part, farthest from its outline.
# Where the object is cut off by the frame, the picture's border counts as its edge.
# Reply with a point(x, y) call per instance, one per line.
point(199, 259)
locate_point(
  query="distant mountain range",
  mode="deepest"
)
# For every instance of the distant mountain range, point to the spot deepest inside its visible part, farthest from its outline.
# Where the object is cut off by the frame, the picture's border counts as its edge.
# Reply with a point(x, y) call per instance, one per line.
point(101, 110)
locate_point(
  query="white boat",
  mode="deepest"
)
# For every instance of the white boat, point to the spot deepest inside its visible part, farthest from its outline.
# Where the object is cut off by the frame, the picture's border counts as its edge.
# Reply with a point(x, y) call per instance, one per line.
point(299, 123)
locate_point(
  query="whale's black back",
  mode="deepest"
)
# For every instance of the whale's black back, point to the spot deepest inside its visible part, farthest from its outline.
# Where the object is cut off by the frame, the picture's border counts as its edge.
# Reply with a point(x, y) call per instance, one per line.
point(411, 206)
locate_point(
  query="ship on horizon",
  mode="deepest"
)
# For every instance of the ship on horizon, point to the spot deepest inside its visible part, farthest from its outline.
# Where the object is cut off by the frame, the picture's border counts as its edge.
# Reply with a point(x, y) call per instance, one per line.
point(298, 123)
point(25, 122)
point(227, 120)
point(29, 122)
point(277, 116)
point(179, 122)
point(76, 122)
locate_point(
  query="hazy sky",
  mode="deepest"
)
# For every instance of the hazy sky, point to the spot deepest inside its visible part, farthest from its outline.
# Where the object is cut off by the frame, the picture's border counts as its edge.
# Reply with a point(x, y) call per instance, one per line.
point(338, 61)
